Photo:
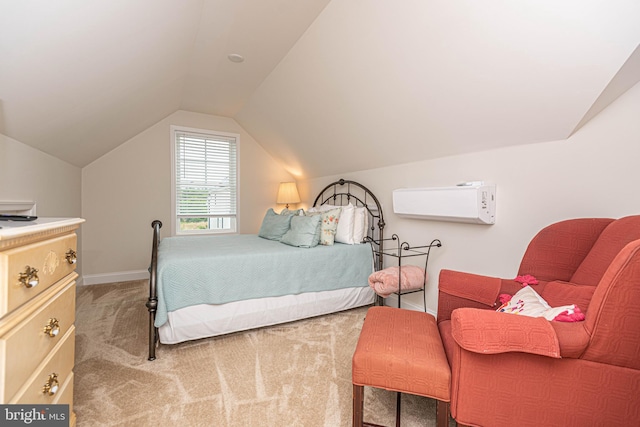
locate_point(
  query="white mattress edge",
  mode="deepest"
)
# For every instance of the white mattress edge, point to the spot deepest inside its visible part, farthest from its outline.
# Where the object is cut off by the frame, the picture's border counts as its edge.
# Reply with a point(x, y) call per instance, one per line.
point(209, 320)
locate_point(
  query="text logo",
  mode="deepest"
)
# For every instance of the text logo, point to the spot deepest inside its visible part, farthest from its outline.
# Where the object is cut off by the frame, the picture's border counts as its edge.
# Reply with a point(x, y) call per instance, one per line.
point(34, 415)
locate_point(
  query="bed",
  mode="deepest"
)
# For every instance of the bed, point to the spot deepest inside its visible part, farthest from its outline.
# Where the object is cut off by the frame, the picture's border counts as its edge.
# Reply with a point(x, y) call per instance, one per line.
point(205, 286)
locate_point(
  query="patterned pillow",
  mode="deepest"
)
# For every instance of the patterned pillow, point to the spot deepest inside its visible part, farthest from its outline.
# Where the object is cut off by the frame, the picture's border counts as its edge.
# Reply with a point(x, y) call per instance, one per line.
point(528, 302)
point(329, 225)
point(344, 233)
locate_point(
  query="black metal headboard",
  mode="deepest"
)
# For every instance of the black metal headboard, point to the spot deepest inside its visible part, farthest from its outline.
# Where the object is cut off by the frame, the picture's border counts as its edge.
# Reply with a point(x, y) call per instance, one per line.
point(343, 192)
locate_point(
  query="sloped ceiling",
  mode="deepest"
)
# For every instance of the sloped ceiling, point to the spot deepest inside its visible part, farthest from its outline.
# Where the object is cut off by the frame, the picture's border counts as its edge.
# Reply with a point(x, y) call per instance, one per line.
point(326, 86)
point(373, 83)
point(80, 77)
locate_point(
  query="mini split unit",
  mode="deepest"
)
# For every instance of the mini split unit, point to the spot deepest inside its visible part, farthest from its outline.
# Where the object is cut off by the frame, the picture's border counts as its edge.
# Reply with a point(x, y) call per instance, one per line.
point(474, 203)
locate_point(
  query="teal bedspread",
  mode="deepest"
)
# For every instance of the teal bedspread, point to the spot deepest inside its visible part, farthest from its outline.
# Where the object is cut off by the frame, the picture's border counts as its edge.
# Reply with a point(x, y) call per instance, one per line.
point(219, 269)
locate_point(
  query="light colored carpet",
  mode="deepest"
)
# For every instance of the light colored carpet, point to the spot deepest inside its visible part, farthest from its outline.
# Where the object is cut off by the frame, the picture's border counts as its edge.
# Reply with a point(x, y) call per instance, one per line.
point(297, 374)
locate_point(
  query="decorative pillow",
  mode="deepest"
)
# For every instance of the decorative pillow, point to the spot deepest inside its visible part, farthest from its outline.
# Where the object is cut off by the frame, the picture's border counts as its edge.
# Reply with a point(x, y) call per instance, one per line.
point(360, 224)
point(528, 302)
point(304, 231)
point(344, 233)
point(274, 226)
point(330, 219)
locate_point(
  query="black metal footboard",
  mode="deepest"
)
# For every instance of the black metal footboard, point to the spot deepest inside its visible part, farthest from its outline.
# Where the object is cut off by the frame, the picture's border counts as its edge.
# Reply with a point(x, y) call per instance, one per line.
point(152, 302)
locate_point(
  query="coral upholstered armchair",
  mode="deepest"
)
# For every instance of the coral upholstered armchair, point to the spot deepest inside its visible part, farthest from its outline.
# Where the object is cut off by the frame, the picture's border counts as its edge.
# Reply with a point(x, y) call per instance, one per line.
point(509, 370)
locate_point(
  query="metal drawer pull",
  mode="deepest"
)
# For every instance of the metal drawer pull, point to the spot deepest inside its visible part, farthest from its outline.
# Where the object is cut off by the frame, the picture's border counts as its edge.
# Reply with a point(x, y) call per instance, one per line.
point(53, 328)
point(71, 256)
point(30, 277)
point(52, 385)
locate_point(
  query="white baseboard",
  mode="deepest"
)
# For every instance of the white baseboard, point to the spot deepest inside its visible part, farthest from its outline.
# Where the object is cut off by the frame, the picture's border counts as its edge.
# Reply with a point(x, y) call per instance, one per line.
point(122, 276)
point(409, 302)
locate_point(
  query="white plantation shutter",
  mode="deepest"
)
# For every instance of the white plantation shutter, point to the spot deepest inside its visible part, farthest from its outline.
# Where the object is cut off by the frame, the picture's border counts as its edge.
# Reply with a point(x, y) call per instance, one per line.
point(206, 180)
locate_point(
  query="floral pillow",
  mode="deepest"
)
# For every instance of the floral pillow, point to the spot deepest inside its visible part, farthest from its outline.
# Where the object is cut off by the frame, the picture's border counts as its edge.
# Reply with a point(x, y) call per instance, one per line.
point(329, 225)
point(344, 232)
point(528, 302)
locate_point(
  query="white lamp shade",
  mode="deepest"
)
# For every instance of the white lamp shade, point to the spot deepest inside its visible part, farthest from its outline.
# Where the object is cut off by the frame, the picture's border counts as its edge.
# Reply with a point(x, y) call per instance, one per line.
point(288, 193)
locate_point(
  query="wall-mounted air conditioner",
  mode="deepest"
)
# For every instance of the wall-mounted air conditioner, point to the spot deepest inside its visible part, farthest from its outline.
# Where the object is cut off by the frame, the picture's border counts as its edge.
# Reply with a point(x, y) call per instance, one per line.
point(464, 203)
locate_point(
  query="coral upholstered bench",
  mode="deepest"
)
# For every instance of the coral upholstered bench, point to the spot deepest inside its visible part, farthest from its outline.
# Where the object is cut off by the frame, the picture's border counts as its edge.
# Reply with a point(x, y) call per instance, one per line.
point(401, 350)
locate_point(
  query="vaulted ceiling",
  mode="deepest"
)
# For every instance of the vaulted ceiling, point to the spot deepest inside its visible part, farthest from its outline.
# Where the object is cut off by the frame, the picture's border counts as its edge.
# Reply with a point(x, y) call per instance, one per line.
point(326, 86)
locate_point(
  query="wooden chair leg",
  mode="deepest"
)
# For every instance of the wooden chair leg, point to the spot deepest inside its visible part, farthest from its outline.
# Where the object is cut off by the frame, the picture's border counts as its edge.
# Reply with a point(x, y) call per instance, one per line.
point(442, 413)
point(358, 405)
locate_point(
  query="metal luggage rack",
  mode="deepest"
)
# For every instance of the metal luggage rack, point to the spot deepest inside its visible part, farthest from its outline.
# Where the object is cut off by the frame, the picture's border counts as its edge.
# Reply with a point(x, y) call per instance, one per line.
point(405, 250)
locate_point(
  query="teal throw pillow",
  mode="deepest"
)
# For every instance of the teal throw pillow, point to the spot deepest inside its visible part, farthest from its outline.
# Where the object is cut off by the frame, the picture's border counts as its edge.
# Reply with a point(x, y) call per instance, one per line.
point(304, 231)
point(286, 211)
point(274, 226)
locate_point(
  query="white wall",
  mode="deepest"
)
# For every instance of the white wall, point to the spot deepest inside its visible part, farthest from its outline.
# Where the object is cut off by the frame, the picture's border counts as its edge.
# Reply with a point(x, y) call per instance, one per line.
point(594, 173)
point(30, 174)
point(27, 174)
point(123, 191)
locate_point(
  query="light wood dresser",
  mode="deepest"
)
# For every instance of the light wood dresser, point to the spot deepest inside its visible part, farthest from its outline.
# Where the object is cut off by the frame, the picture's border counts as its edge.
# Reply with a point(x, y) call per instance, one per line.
point(37, 311)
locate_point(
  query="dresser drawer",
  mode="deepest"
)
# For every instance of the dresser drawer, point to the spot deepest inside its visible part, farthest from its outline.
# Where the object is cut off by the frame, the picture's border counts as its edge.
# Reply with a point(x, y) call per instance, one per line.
point(65, 395)
point(48, 257)
point(58, 363)
point(27, 344)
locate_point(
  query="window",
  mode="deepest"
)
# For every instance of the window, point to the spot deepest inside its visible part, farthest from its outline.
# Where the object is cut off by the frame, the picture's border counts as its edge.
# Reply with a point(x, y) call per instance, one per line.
point(205, 181)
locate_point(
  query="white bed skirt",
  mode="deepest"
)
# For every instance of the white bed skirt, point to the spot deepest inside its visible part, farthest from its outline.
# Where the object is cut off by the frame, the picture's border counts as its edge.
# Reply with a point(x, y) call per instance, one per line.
point(208, 320)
